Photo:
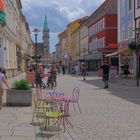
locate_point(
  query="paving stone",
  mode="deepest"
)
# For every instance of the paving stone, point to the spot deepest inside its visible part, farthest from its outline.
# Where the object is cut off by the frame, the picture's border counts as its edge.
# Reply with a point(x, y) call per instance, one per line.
point(17, 138)
point(6, 132)
point(23, 133)
point(107, 114)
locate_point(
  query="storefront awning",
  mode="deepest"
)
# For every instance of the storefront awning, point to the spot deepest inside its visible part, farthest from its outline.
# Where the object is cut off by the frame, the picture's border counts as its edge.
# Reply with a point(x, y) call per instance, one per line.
point(120, 50)
point(112, 54)
point(95, 56)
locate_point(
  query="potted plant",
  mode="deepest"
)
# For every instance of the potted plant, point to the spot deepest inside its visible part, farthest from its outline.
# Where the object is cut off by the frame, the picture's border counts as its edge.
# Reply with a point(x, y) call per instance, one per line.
point(20, 94)
point(134, 46)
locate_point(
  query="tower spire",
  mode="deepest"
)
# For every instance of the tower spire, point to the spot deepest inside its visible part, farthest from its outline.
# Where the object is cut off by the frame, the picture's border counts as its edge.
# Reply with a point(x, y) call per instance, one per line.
point(46, 28)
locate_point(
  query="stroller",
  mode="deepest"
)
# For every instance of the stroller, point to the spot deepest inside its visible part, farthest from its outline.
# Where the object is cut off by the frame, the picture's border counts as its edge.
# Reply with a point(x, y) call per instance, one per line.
point(50, 81)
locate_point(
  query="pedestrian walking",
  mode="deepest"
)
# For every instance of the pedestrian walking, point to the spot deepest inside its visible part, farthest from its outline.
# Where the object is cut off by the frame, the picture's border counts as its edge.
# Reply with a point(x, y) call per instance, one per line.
point(2, 81)
point(63, 69)
point(38, 79)
point(83, 70)
point(76, 69)
point(105, 68)
point(50, 82)
point(54, 74)
point(3, 70)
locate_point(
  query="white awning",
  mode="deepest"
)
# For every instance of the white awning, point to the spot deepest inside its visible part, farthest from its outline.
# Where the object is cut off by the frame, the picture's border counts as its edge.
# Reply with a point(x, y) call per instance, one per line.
point(112, 54)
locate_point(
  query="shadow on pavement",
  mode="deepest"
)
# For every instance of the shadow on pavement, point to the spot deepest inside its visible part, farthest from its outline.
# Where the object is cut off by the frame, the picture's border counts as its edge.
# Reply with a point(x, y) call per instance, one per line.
point(44, 135)
point(126, 91)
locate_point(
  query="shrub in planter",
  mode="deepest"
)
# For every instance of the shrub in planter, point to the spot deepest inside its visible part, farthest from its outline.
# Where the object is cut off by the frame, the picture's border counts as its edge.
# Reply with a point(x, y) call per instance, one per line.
point(20, 94)
point(21, 85)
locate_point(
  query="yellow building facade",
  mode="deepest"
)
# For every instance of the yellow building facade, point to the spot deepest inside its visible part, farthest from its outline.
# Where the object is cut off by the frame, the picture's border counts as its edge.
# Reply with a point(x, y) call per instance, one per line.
point(63, 47)
point(72, 36)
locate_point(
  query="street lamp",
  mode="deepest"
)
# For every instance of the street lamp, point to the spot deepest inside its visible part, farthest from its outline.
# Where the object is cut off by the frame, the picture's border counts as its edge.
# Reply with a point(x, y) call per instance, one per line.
point(36, 31)
point(137, 32)
point(84, 69)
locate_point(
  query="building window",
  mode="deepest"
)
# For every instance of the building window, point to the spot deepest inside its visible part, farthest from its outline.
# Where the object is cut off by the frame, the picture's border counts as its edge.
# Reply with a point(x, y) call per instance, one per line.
point(130, 5)
point(138, 3)
point(103, 42)
point(130, 32)
point(122, 6)
point(103, 23)
point(123, 34)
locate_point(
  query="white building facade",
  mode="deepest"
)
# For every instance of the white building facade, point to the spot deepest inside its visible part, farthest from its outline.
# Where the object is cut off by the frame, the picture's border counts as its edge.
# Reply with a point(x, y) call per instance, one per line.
point(126, 34)
point(14, 38)
point(137, 25)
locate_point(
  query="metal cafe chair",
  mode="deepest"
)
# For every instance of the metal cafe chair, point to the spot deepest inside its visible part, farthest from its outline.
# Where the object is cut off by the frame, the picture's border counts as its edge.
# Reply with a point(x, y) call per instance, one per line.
point(75, 98)
point(39, 104)
point(55, 115)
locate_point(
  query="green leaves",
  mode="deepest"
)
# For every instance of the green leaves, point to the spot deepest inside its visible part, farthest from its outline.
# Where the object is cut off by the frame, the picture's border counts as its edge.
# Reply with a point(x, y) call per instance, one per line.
point(21, 85)
point(36, 58)
point(2, 19)
point(134, 46)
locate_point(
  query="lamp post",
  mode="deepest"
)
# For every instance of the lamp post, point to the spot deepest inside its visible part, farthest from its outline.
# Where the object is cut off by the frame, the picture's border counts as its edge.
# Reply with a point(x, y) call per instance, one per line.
point(137, 32)
point(35, 31)
point(84, 69)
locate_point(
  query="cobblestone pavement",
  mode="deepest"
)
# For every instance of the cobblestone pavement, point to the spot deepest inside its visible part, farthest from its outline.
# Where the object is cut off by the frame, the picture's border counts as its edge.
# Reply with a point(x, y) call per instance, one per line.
point(15, 122)
point(107, 114)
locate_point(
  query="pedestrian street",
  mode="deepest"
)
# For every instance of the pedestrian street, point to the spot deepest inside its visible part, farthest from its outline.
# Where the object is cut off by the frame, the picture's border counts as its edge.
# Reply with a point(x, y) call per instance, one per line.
point(107, 114)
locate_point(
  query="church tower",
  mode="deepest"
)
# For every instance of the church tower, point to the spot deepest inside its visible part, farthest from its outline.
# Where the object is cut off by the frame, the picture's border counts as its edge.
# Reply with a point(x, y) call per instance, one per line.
point(46, 38)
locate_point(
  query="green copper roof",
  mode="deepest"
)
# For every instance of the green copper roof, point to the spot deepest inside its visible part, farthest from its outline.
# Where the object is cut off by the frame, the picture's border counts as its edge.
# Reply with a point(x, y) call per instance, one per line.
point(46, 28)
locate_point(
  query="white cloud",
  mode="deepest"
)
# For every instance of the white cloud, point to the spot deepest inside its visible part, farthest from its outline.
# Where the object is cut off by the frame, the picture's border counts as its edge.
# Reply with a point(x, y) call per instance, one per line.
point(70, 9)
point(69, 12)
point(59, 12)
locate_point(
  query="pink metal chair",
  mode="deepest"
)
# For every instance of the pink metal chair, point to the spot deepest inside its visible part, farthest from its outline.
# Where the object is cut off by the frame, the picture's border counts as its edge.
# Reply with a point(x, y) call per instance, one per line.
point(75, 98)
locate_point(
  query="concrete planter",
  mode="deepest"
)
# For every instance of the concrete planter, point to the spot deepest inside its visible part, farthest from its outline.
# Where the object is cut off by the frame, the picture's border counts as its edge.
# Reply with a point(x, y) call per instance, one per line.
point(19, 97)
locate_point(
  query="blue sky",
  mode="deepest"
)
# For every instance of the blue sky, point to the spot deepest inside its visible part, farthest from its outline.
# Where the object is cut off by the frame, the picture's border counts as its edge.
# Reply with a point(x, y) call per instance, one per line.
point(59, 13)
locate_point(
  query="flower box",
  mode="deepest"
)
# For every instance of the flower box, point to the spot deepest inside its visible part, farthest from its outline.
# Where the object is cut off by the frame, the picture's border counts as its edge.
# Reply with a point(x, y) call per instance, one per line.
point(20, 94)
point(16, 97)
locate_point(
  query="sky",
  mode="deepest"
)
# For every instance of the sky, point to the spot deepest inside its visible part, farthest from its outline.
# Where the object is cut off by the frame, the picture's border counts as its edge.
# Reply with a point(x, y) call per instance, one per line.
point(59, 14)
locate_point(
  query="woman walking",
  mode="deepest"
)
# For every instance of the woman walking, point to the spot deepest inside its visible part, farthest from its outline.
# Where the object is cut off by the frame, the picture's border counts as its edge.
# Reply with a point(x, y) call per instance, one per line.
point(2, 80)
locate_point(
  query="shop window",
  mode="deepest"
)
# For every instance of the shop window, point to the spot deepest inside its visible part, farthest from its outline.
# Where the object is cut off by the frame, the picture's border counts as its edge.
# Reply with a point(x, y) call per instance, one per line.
point(123, 34)
point(138, 3)
point(129, 5)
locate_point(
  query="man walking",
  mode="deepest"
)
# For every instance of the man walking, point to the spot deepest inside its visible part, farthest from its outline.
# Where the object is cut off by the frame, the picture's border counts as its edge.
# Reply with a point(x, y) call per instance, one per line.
point(105, 68)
